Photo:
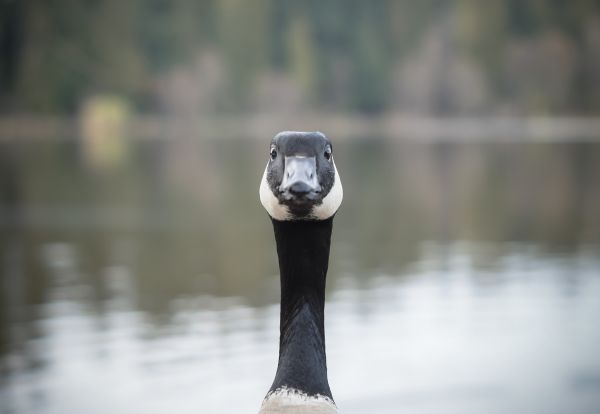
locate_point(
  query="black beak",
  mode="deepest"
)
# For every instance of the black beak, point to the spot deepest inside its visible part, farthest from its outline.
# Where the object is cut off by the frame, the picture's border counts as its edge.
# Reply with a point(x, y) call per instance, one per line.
point(300, 178)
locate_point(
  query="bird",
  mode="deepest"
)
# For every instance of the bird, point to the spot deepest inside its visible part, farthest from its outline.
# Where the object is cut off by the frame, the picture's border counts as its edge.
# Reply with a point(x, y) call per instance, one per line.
point(301, 191)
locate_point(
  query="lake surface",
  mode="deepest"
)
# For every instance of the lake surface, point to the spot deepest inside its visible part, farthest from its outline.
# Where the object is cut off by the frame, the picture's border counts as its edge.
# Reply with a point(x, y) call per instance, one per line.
point(464, 278)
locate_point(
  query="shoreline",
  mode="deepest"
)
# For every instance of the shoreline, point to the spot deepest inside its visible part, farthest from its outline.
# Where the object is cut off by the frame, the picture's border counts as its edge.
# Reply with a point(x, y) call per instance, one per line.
point(391, 126)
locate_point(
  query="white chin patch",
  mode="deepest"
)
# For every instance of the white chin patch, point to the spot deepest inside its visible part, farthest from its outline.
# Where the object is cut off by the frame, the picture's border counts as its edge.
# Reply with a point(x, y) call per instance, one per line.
point(281, 212)
point(332, 200)
point(275, 209)
point(289, 400)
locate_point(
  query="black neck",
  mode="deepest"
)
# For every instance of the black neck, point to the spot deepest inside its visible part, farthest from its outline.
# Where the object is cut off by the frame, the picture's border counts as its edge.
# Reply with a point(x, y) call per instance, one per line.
point(303, 250)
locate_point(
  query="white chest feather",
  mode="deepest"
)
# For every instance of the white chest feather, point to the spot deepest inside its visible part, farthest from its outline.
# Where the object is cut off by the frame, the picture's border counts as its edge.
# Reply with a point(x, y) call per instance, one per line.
point(290, 401)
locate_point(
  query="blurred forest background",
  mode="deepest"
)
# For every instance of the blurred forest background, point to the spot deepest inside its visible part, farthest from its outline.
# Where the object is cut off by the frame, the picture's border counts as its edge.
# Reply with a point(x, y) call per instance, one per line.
point(462, 57)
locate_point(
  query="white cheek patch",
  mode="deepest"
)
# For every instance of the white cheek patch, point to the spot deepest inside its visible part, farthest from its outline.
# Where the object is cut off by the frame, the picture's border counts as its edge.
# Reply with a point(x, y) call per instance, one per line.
point(275, 209)
point(332, 200)
point(289, 400)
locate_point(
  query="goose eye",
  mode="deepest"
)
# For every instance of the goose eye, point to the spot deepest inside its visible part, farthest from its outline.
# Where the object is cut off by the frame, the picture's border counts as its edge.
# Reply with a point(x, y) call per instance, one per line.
point(273, 153)
point(327, 153)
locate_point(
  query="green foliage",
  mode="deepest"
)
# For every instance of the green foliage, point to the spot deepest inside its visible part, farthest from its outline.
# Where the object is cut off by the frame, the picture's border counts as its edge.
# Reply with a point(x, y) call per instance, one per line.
point(342, 54)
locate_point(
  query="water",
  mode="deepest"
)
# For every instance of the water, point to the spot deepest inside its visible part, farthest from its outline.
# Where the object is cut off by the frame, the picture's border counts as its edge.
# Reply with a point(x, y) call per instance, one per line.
point(464, 278)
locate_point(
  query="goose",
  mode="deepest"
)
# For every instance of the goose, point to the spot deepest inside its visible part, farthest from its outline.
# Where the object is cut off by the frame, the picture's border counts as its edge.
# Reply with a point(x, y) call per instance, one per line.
point(301, 191)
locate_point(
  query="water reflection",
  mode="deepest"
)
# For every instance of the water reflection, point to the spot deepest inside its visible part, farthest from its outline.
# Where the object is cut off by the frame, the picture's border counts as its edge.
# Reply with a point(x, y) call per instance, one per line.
point(463, 276)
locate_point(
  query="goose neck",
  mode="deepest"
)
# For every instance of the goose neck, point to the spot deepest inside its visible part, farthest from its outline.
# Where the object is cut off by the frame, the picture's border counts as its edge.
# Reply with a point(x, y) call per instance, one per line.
point(303, 250)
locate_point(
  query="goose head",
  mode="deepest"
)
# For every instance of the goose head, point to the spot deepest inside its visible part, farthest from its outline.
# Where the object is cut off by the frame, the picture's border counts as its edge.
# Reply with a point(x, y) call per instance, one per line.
point(301, 181)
